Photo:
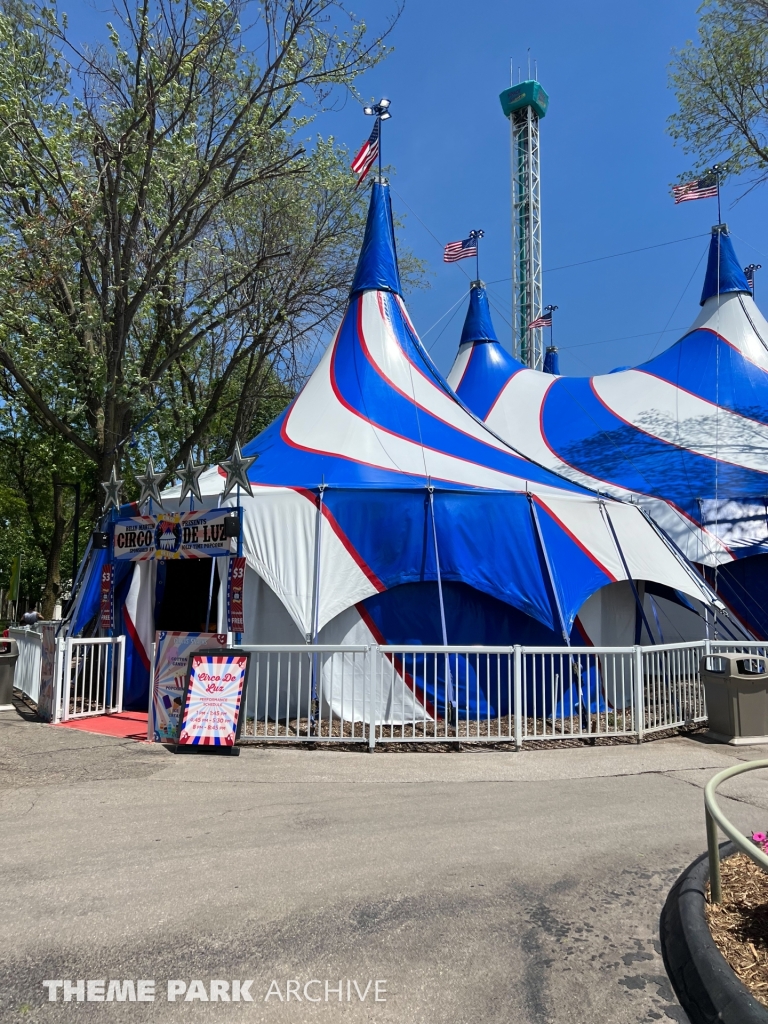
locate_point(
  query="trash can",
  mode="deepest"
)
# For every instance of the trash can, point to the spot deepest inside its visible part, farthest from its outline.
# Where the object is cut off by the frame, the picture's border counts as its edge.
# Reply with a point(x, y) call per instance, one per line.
point(9, 655)
point(736, 689)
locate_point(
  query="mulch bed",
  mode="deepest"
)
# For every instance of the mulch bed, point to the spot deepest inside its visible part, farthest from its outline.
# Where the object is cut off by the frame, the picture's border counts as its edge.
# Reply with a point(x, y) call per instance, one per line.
point(739, 924)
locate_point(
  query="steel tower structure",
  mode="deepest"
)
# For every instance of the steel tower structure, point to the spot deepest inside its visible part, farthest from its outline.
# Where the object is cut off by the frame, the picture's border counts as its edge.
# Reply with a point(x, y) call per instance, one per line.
point(525, 104)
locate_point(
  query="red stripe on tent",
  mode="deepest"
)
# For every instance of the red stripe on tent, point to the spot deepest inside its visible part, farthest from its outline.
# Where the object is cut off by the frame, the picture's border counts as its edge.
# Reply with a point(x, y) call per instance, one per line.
point(506, 449)
point(609, 483)
point(407, 678)
point(574, 538)
point(501, 392)
point(130, 629)
point(706, 401)
point(349, 547)
point(582, 632)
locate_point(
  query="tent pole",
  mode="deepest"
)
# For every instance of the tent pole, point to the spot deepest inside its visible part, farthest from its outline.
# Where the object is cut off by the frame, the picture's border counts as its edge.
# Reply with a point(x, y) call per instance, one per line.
point(640, 608)
point(450, 699)
point(540, 535)
point(316, 603)
point(213, 567)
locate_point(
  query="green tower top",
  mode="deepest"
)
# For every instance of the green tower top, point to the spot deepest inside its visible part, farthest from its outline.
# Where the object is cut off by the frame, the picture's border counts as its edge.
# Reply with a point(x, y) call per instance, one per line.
point(524, 94)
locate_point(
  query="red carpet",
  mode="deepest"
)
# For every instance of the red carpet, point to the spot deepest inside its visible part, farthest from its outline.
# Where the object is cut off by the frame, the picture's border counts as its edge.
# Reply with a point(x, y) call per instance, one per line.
point(128, 725)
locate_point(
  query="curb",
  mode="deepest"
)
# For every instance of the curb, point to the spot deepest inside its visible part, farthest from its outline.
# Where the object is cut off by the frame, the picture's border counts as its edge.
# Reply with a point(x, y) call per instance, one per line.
point(708, 989)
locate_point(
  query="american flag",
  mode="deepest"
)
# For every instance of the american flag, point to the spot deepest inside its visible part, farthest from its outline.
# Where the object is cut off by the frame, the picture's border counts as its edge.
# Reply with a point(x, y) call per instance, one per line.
point(701, 188)
point(460, 250)
point(368, 154)
point(749, 273)
point(541, 321)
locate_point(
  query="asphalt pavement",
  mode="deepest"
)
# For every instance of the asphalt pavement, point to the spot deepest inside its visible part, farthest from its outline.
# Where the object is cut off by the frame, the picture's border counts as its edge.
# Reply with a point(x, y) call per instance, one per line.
point(291, 885)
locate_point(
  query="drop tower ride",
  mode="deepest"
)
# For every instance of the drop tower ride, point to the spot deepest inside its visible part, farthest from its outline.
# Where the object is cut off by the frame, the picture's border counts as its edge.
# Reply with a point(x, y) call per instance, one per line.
point(525, 104)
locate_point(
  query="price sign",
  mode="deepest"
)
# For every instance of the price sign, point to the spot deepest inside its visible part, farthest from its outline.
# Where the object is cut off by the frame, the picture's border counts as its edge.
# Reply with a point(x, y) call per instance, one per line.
point(235, 581)
point(210, 715)
point(107, 619)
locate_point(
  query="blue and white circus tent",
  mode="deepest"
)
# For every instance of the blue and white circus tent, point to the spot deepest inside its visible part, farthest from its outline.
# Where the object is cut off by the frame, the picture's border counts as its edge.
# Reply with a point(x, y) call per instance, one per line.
point(376, 484)
point(685, 435)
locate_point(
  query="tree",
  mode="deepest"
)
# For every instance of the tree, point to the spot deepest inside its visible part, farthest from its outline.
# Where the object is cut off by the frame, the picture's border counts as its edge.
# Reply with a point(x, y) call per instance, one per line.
point(171, 246)
point(721, 83)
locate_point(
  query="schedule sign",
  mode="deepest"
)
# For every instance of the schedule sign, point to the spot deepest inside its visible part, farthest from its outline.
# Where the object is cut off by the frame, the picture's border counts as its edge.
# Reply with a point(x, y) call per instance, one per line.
point(213, 699)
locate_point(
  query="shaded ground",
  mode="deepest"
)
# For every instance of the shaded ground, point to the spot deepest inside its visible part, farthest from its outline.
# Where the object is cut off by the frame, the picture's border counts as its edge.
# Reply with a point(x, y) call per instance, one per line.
point(479, 887)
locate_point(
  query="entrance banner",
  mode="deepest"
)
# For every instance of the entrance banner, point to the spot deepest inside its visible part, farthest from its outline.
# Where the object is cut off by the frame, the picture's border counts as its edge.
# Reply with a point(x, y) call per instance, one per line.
point(210, 716)
point(173, 535)
point(172, 651)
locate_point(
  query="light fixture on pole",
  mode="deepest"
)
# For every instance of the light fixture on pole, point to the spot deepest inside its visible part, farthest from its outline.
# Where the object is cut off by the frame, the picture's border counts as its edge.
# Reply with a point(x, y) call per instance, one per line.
point(749, 273)
point(381, 112)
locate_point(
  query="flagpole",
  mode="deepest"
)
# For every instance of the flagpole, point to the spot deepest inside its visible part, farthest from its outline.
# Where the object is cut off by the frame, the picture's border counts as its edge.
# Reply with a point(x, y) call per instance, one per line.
point(716, 169)
point(378, 121)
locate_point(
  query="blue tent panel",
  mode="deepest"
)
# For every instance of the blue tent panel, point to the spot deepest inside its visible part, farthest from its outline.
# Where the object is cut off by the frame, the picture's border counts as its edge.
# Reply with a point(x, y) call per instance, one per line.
point(377, 267)
point(724, 273)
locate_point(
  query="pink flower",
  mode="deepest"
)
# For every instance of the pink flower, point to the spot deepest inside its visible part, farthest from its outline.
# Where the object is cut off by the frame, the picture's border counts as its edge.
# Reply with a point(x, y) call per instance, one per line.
point(759, 837)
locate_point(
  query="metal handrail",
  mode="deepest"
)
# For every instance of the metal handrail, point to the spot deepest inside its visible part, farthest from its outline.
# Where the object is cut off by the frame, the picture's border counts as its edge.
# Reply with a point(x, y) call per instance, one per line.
point(715, 817)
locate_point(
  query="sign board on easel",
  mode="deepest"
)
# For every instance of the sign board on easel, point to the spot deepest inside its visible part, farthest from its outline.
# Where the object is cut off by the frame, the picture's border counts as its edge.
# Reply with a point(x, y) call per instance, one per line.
point(213, 700)
point(169, 678)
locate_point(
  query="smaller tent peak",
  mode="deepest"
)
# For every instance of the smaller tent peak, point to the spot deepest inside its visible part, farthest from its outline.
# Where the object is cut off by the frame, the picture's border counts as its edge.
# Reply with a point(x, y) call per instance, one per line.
point(377, 268)
point(552, 361)
point(478, 325)
point(724, 273)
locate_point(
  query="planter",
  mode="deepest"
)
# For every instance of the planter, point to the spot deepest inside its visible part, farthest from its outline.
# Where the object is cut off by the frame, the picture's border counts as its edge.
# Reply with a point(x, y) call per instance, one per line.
point(708, 990)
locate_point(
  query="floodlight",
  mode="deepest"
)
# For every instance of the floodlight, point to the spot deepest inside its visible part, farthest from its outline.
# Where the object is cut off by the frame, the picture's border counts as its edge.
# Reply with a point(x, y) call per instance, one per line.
point(384, 103)
point(385, 116)
point(367, 110)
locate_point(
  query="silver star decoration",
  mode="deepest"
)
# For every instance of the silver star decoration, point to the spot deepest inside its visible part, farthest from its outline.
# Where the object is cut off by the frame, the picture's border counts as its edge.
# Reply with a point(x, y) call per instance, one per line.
point(190, 483)
point(150, 484)
point(236, 468)
point(112, 490)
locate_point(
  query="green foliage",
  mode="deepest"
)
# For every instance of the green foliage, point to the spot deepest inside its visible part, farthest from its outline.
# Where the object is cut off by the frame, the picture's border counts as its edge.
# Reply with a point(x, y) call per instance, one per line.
point(721, 84)
point(174, 245)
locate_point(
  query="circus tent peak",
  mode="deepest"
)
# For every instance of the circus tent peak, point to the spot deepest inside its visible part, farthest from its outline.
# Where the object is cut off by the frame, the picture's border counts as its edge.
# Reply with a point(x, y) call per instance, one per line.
point(482, 367)
point(478, 325)
point(724, 274)
point(377, 268)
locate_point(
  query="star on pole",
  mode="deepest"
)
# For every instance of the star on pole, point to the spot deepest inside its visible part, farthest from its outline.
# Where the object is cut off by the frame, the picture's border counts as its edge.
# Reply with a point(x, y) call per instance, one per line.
point(150, 484)
point(236, 467)
point(190, 483)
point(112, 491)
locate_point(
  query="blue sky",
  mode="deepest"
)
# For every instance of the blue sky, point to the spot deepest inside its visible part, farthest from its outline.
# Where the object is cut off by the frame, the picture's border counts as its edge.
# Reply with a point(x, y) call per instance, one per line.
point(606, 165)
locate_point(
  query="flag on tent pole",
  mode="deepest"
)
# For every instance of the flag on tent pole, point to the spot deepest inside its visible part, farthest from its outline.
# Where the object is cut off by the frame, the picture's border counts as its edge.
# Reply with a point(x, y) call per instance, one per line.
point(455, 251)
point(15, 581)
point(541, 321)
point(700, 188)
point(368, 154)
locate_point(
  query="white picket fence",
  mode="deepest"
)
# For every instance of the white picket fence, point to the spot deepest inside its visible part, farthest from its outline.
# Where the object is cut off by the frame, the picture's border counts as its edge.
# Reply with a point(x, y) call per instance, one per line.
point(413, 694)
point(84, 674)
point(518, 695)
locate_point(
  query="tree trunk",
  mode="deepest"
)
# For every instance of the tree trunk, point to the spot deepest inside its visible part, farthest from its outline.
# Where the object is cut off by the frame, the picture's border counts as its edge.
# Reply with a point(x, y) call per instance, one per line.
point(52, 588)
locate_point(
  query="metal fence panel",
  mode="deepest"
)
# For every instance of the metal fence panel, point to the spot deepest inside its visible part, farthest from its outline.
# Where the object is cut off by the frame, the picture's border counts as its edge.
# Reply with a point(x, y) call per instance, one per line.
point(92, 682)
point(442, 694)
point(26, 676)
point(306, 693)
